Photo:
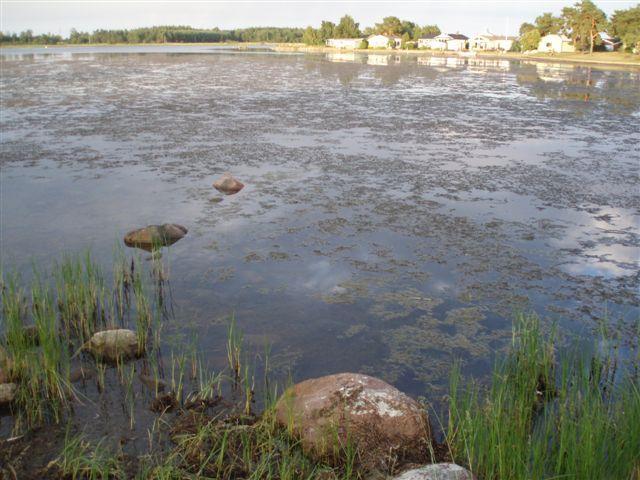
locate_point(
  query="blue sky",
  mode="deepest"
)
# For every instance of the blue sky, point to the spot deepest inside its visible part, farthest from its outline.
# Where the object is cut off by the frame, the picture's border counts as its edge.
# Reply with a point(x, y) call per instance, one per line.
point(464, 16)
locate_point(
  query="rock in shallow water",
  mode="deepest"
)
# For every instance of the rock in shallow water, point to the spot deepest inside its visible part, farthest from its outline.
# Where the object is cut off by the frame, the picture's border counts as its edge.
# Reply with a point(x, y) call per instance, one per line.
point(437, 471)
point(7, 393)
point(155, 236)
point(228, 185)
point(382, 423)
point(110, 345)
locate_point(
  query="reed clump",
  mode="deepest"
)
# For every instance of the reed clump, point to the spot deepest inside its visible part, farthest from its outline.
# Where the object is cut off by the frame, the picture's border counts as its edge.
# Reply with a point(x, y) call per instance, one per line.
point(577, 416)
point(44, 327)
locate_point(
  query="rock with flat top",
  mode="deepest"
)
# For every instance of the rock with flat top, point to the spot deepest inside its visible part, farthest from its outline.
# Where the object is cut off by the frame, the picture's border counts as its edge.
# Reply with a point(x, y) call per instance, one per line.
point(7, 393)
point(437, 471)
point(155, 236)
point(228, 185)
point(385, 426)
point(112, 345)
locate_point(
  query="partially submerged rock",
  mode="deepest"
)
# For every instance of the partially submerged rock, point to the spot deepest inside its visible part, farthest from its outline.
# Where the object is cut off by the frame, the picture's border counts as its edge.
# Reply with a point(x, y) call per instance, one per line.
point(437, 471)
point(111, 345)
point(382, 423)
point(228, 185)
point(7, 393)
point(155, 236)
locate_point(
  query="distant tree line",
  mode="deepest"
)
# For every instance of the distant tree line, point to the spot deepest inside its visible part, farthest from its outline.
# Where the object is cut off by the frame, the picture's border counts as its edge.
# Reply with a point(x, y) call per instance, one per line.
point(161, 34)
point(347, 27)
point(582, 23)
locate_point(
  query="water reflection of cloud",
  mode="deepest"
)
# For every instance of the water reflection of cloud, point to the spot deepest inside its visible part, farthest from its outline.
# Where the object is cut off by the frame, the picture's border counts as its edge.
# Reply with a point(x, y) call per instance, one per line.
point(324, 277)
point(598, 254)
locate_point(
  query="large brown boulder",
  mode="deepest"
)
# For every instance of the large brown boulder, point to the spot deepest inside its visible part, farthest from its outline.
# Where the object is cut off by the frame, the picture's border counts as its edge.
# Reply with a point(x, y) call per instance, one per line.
point(228, 185)
point(385, 426)
point(155, 236)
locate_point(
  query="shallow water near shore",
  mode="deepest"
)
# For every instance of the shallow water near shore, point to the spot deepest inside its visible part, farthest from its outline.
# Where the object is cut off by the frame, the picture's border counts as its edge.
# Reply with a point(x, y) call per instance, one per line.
point(397, 211)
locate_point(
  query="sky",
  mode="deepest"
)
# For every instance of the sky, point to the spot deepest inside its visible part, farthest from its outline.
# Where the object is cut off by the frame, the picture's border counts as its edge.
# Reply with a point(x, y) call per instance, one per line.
point(463, 16)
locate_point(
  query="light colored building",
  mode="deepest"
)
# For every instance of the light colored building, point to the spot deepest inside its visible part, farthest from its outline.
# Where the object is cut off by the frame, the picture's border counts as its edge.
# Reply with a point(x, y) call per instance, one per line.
point(344, 43)
point(489, 41)
point(444, 41)
point(556, 44)
point(383, 41)
point(610, 43)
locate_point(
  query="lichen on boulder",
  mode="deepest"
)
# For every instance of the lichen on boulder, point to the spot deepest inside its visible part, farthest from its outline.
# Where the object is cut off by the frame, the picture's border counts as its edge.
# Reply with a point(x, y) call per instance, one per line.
point(385, 426)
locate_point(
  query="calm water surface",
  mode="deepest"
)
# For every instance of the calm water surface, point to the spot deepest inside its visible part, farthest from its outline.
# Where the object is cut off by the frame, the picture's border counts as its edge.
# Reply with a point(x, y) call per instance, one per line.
point(397, 210)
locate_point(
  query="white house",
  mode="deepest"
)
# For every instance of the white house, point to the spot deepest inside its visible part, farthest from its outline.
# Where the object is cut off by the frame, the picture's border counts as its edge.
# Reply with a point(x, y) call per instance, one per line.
point(489, 41)
point(610, 43)
point(383, 41)
point(555, 43)
point(444, 41)
point(344, 43)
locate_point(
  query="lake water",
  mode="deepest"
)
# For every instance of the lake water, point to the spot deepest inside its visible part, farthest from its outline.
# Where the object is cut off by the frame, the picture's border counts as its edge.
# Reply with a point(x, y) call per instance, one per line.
point(398, 211)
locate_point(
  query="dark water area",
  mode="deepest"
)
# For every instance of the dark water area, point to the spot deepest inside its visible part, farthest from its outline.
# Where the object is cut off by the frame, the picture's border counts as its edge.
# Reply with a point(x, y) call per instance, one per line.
point(398, 211)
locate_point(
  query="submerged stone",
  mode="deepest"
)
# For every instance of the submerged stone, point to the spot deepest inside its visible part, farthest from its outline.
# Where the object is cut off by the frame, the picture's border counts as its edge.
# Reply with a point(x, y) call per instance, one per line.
point(155, 236)
point(437, 471)
point(111, 345)
point(228, 185)
point(7, 393)
point(382, 423)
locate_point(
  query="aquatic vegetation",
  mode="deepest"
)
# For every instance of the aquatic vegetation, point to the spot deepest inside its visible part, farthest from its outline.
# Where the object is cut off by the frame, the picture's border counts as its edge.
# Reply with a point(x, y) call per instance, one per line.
point(547, 415)
point(48, 325)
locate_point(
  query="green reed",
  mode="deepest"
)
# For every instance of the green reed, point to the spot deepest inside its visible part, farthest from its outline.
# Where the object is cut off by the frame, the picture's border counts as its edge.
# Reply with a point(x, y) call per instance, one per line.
point(44, 326)
point(541, 418)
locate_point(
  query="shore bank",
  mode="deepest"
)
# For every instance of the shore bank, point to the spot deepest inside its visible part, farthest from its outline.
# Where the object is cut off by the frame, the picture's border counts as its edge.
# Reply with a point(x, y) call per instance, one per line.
point(604, 59)
point(596, 58)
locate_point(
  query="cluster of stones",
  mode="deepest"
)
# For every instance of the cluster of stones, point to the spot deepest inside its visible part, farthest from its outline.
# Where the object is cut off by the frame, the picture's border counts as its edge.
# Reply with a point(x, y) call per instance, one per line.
point(153, 237)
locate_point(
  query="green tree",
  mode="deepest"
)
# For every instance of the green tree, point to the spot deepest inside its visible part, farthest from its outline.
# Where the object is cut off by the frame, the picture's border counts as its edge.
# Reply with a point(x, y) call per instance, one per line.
point(404, 40)
point(530, 40)
point(347, 28)
point(525, 27)
point(426, 30)
point(584, 21)
point(26, 36)
point(547, 23)
point(409, 28)
point(389, 26)
point(625, 24)
point(363, 45)
point(311, 36)
point(327, 30)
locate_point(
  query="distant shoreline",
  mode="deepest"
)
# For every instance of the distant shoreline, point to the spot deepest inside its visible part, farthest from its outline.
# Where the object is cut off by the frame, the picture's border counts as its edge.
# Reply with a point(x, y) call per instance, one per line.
point(603, 59)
